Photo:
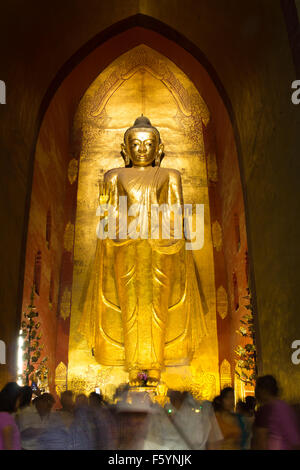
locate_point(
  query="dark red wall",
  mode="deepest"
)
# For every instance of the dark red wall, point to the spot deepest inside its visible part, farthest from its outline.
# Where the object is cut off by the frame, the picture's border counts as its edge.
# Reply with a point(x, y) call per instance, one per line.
point(51, 188)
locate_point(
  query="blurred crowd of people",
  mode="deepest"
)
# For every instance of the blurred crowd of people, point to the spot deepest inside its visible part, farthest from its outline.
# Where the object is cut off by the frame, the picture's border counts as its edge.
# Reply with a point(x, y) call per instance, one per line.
point(133, 421)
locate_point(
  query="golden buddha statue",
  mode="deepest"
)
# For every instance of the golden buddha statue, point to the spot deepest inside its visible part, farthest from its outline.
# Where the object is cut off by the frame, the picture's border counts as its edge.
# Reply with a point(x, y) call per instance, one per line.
point(143, 309)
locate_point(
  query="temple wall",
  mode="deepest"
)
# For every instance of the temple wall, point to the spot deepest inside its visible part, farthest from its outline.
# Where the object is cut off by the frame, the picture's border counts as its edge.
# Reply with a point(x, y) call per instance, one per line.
point(48, 194)
point(247, 45)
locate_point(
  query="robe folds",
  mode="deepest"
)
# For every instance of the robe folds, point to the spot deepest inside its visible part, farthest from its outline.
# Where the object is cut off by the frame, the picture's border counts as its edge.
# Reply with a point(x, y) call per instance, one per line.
point(143, 308)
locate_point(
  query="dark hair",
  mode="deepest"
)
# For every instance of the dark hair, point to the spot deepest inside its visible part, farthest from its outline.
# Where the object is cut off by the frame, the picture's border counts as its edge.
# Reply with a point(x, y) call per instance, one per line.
point(241, 406)
point(66, 393)
point(9, 396)
point(26, 396)
point(35, 400)
point(95, 398)
point(218, 400)
point(225, 391)
point(268, 383)
point(174, 394)
point(250, 403)
point(217, 406)
point(47, 397)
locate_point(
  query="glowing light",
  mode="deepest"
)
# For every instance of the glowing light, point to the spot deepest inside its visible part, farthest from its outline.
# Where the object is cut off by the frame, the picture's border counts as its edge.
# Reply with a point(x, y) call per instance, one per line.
point(20, 357)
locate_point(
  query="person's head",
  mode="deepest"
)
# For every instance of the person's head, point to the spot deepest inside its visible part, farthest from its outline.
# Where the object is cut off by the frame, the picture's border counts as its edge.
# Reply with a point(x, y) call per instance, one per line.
point(142, 145)
point(95, 399)
point(216, 403)
point(26, 396)
point(266, 388)
point(176, 398)
point(241, 408)
point(227, 399)
point(44, 403)
point(10, 397)
point(121, 392)
point(35, 400)
point(66, 400)
point(81, 400)
point(250, 403)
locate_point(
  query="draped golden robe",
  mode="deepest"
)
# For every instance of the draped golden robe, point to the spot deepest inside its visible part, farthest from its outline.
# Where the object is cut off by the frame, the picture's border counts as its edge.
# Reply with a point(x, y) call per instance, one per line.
point(143, 309)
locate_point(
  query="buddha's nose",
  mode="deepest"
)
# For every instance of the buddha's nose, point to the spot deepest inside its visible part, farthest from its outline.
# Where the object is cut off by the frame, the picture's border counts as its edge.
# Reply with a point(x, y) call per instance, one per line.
point(142, 148)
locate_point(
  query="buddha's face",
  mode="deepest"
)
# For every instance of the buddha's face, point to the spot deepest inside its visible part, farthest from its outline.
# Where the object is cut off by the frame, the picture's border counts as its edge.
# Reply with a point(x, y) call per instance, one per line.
point(142, 147)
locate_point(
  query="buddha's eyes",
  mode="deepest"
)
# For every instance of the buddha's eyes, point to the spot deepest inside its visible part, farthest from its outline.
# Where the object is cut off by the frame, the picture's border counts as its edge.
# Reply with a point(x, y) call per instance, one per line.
point(137, 144)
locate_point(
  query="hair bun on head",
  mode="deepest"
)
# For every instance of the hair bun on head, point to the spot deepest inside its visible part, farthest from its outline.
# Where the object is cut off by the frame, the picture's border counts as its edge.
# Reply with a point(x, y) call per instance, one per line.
point(142, 122)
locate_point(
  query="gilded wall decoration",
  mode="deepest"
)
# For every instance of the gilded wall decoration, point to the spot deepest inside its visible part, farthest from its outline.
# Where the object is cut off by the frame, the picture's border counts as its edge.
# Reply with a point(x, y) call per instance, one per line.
point(69, 237)
point(192, 110)
point(143, 58)
point(73, 170)
point(239, 385)
point(222, 302)
point(225, 374)
point(205, 388)
point(217, 235)
point(79, 384)
point(60, 378)
point(65, 304)
point(203, 385)
point(212, 167)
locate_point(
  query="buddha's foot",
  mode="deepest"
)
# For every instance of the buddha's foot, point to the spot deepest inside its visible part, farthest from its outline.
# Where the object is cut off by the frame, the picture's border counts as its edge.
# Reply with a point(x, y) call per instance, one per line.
point(134, 380)
point(153, 377)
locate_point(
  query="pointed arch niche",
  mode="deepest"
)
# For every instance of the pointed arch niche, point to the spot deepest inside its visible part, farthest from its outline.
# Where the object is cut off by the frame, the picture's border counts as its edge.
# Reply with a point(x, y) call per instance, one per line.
point(137, 71)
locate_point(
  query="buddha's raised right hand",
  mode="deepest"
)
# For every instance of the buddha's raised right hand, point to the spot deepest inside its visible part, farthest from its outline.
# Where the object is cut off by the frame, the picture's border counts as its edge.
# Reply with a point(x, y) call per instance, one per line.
point(104, 192)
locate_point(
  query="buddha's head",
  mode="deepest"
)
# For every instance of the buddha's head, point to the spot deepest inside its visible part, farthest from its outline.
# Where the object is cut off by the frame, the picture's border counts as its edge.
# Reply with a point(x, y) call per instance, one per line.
point(142, 145)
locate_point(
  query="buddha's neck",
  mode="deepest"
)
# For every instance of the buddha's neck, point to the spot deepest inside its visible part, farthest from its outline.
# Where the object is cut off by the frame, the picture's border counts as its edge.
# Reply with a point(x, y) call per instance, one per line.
point(142, 168)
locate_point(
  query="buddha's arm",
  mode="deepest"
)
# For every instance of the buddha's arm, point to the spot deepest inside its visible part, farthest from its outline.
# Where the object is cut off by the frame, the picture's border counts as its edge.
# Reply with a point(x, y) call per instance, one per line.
point(175, 199)
point(108, 206)
point(175, 188)
point(111, 183)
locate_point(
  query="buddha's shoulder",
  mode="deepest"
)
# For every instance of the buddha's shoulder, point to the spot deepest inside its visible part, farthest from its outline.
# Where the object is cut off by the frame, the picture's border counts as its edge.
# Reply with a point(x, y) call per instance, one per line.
point(113, 173)
point(173, 174)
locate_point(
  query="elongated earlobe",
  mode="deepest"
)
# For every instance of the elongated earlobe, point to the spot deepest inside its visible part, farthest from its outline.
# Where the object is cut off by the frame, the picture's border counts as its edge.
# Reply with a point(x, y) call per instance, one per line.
point(159, 154)
point(125, 155)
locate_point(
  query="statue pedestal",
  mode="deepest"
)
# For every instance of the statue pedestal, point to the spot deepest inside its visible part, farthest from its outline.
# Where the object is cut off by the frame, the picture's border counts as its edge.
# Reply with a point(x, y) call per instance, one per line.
point(148, 392)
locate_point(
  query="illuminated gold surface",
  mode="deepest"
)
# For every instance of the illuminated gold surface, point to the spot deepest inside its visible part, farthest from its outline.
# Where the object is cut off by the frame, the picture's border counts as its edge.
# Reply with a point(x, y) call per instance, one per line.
point(73, 170)
point(217, 235)
point(212, 167)
point(225, 374)
point(222, 302)
point(143, 308)
point(65, 304)
point(105, 112)
point(239, 386)
point(60, 378)
point(69, 237)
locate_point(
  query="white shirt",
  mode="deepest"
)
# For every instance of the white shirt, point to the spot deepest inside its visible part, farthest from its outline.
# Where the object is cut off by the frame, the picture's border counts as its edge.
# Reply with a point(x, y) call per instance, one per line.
point(31, 426)
point(190, 427)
